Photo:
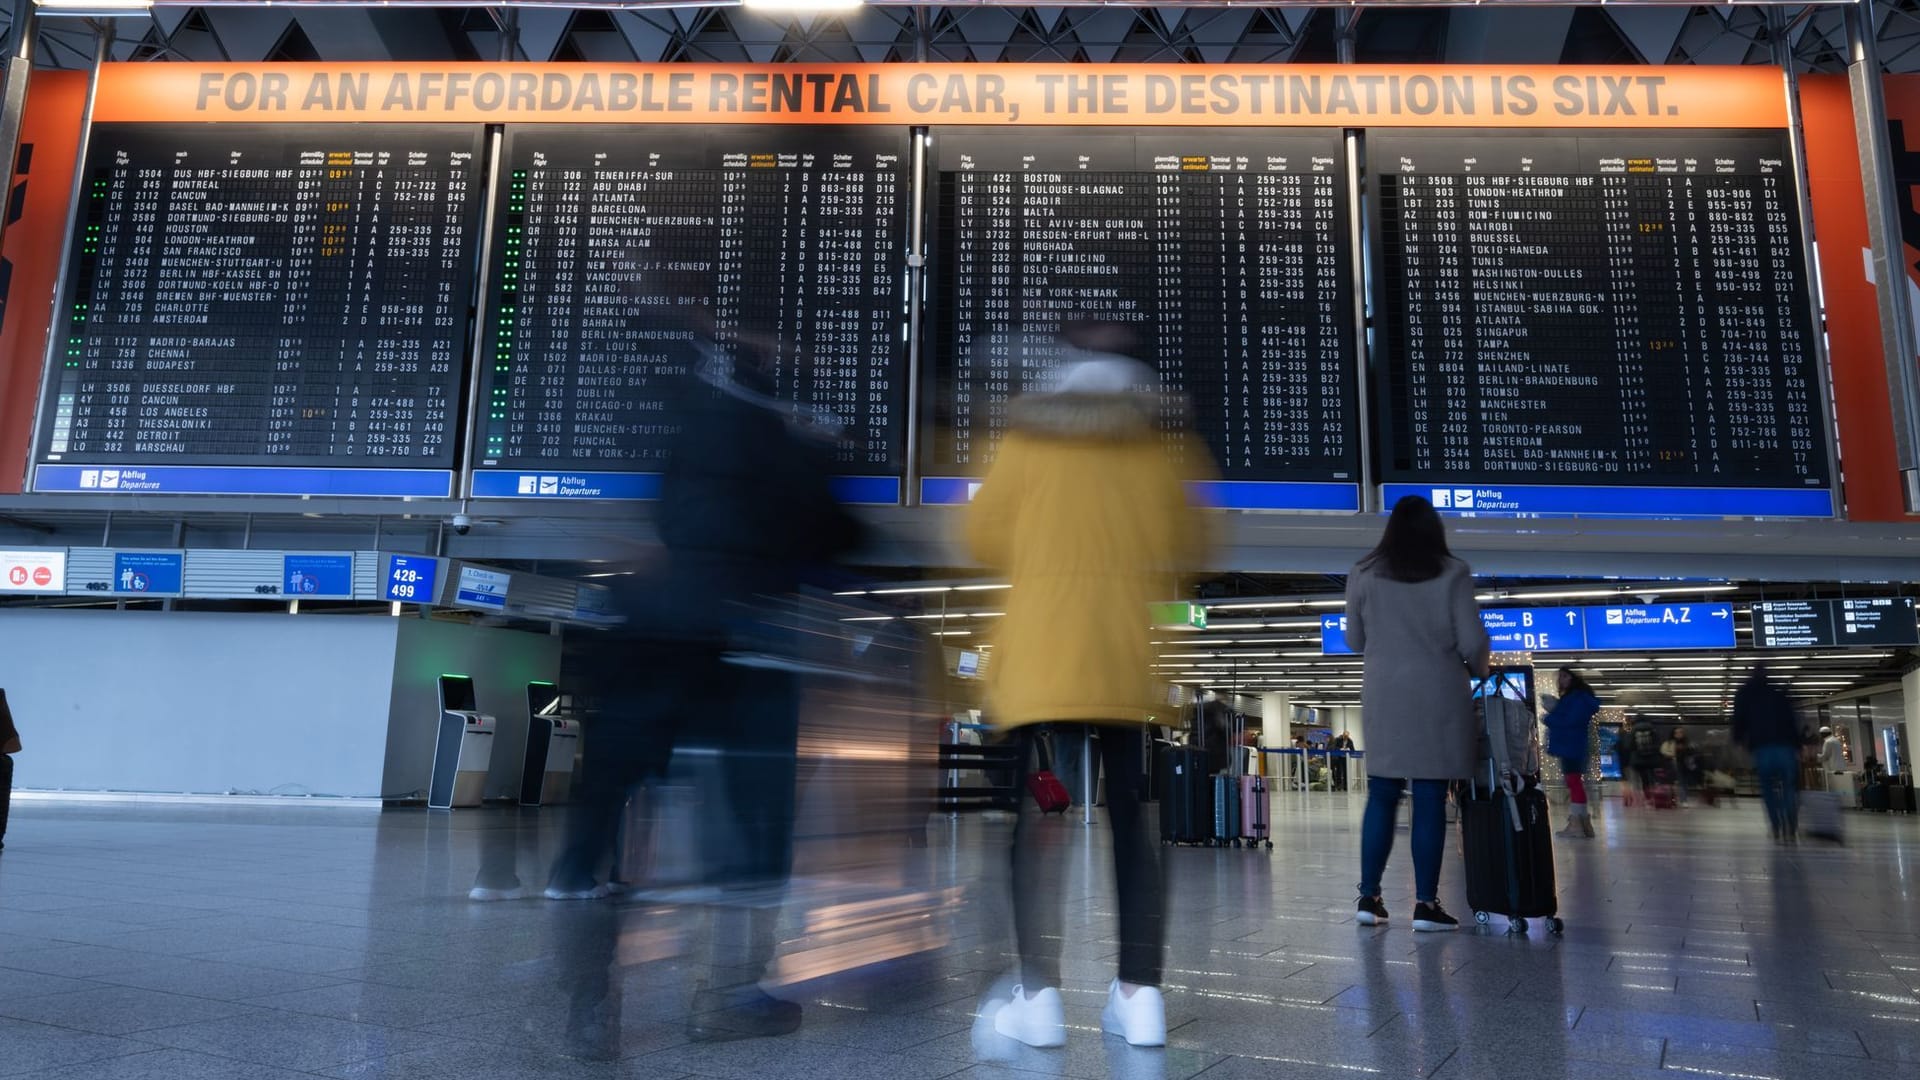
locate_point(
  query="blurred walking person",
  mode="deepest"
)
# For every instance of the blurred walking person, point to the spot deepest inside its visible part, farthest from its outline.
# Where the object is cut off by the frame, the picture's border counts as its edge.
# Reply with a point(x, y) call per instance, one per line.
point(746, 512)
point(1765, 723)
point(1569, 733)
point(1411, 613)
point(1085, 512)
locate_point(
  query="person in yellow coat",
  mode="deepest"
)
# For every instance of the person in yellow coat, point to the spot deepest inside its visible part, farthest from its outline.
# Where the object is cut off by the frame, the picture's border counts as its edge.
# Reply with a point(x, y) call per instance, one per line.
point(1085, 511)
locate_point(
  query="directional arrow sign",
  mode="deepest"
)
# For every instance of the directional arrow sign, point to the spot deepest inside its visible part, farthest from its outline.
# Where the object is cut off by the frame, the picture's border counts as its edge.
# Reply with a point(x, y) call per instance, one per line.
point(1660, 626)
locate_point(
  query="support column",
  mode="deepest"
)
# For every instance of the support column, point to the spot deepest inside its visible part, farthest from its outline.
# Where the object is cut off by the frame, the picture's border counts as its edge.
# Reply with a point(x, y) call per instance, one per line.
point(1891, 280)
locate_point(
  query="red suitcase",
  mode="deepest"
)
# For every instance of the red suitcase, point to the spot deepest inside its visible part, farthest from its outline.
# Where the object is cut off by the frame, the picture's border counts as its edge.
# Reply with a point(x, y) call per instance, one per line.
point(1048, 792)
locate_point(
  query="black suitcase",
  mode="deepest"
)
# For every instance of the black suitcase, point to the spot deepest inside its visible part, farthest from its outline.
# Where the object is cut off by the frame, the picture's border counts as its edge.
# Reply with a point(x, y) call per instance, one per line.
point(1874, 797)
point(1186, 810)
point(1900, 798)
point(1510, 872)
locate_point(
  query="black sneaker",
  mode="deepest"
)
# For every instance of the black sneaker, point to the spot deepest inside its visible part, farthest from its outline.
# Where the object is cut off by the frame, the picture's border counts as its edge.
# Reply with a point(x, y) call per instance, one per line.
point(1432, 918)
point(1370, 911)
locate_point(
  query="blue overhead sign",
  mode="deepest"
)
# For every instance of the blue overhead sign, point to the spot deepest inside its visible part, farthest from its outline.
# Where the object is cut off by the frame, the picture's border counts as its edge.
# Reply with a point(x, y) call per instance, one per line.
point(1222, 494)
point(1534, 629)
point(318, 577)
point(242, 480)
point(617, 486)
point(1333, 636)
point(1660, 626)
point(410, 578)
point(147, 573)
point(1526, 500)
point(1642, 627)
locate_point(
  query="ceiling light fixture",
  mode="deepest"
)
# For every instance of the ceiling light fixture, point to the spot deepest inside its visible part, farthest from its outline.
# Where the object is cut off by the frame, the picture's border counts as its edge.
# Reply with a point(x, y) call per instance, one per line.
point(801, 6)
point(94, 9)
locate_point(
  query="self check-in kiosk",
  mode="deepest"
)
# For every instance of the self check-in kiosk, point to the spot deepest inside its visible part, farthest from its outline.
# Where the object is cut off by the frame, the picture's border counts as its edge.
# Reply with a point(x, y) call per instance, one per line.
point(463, 749)
point(553, 740)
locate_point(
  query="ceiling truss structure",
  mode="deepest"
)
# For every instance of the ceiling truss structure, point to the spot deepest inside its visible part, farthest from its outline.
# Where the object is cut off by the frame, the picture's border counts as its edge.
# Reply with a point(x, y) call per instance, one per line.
point(1616, 34)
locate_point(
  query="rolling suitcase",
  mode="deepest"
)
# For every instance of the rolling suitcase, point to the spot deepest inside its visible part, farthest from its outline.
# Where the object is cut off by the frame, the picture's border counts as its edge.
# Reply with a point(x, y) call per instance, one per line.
point(1048, 792)
point(1505, 823)
point(1185, 816)
point(1509, 857)
point(1226, 811)
point(1820, 816)
point(1900, 798)
point(1256, 811)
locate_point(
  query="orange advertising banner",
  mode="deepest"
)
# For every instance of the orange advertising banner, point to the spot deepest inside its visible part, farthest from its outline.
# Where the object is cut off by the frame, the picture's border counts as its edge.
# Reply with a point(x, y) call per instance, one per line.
point(1014, 94)
point(40, 193)
point(1856, 353)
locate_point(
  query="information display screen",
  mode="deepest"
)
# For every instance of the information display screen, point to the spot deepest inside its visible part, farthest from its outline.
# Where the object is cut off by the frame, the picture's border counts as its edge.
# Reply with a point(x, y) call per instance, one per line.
point(609, 240)
point(1595, 312)
point(1226, 254)
point(280, 296)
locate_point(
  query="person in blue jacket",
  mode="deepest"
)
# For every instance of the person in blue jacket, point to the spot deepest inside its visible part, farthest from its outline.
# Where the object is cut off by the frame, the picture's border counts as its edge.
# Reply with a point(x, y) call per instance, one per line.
point(1569, 728)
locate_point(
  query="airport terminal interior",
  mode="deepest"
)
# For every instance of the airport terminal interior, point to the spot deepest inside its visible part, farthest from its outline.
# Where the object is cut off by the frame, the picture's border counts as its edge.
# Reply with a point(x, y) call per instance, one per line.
point(817, 539)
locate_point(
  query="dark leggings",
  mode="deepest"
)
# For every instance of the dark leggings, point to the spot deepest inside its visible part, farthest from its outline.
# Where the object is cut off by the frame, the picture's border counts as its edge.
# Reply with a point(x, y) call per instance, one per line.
point(6, 791)
point(1136, 871)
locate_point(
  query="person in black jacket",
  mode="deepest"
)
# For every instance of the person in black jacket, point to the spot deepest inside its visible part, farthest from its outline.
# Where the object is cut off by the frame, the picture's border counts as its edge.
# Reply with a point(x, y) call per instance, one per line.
point(746, 515)
point(1764, 721)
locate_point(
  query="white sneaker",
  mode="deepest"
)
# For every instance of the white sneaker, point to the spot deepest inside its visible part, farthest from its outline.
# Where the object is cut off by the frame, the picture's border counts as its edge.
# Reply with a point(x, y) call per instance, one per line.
point(489, 893)
point(1039, 1020)
point(1140, 1019)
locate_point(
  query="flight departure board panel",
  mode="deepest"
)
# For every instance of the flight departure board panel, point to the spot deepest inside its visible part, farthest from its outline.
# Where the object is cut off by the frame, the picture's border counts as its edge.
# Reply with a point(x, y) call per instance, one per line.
point(1225, 255)
point(618, 247)
point(1564, 316)
point(265, 310)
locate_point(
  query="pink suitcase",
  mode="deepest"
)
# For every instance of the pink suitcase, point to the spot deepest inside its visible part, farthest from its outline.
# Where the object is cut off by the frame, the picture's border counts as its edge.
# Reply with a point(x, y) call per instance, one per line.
point(1256, 810)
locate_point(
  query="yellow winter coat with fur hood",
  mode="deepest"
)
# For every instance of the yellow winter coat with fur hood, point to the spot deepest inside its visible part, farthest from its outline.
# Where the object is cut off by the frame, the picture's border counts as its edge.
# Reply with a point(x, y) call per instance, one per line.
point(1085, 512)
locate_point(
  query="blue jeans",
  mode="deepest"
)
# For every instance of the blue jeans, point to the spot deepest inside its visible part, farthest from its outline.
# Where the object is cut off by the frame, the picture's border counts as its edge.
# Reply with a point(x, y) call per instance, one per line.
point(1429, 833)
point(1777, 769)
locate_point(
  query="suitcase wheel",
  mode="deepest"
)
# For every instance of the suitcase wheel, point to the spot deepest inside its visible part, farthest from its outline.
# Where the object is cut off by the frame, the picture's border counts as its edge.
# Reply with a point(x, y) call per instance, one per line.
point(1482, 918)
point(1556, 926)
point(1269, 845)
point(1516, 926)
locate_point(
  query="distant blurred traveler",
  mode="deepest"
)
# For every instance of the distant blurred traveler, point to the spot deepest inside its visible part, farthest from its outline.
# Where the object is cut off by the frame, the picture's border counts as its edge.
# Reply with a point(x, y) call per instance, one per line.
point(1643, 752)
point(1833, 761)
point(9, 746)
point(1569, 733)
point(1411, 612)
point(1085, 511)
point(1341, 742)
point(1765, 723)
point(1687, 771)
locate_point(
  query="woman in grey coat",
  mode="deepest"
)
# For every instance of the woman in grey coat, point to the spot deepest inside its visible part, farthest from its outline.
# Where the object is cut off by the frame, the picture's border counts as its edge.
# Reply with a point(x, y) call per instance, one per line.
point(1411, 612)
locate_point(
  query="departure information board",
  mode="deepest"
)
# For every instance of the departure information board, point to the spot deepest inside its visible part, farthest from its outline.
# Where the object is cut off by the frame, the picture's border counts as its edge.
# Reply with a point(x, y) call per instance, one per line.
point(1225, 255)
point(263, 309)
point(611, 240)
point(1566, 316)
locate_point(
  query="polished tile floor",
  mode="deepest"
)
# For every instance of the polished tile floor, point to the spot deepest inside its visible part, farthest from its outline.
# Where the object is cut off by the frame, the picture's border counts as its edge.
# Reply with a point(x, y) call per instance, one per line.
point(167, 941)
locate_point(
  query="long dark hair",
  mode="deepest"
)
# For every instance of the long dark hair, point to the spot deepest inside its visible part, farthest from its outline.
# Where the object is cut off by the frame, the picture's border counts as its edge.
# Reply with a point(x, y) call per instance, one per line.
point(1414, 546)
point(1578, 682)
